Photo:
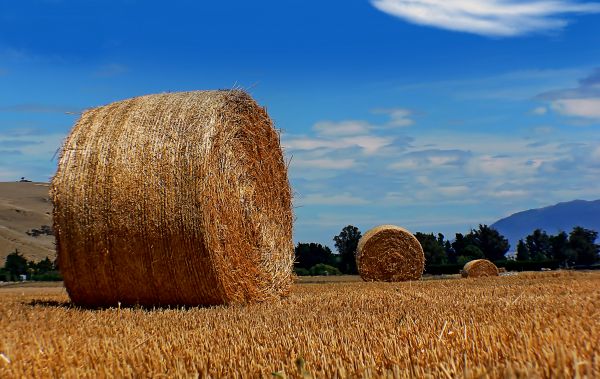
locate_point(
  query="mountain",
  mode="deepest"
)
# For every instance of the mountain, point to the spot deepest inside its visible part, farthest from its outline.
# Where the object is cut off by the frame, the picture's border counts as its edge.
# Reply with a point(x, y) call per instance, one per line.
point(25, 218)
point(552, 219)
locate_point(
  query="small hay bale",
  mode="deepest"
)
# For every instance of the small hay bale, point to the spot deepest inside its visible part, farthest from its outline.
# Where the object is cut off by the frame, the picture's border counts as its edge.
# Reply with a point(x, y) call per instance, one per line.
point(174, 199)
point(389, 253)
point(479, 268)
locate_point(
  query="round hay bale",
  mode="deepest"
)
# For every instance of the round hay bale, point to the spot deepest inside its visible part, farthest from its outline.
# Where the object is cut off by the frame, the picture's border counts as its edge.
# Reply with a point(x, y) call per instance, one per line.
point(174, 199)
point(478, 268)
point(389, 253)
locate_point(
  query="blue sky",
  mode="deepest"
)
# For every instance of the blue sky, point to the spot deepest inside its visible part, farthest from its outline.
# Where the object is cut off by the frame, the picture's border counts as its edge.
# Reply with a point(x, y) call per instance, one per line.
point(435, 115)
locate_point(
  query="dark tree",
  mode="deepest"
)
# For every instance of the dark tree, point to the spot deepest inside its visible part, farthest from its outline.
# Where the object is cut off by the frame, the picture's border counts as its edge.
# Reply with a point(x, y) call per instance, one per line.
point(450, 253)
point(490, 242)
point(310, 254)
point(44, 266)
point(461, 242)
point(15, 264)
point(346, 243)
point(522, 251)
point(582, 243)
point(433, 248)
point(538, 244)
point(559, 245)
point(473, 252)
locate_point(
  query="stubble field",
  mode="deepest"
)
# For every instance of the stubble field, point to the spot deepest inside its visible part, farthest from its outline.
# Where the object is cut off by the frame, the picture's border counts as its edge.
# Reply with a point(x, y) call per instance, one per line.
point(528, 325)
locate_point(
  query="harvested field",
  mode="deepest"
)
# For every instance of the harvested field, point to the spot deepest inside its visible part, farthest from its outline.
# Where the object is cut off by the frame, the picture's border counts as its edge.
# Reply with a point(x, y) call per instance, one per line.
point(528, 325)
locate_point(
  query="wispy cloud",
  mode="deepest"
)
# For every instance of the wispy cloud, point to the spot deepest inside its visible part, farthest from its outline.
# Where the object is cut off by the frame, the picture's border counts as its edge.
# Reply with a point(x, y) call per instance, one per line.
point(586, 108)
point(337, 199)
point(344, 128)
point(40, 108)
point(430, 158)
point(398, 117)
point(495, 18)
point(357, 135)
point(326, 163)
point(582, 101)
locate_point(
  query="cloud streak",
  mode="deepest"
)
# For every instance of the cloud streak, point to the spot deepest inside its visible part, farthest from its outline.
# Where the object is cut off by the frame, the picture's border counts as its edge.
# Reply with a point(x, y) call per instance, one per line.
point(582, 101)
point(39, 108)
point(492, 18)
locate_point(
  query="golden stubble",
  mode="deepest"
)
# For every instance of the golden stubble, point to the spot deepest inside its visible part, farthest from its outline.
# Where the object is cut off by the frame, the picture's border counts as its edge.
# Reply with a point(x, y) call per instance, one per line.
point(544, 325)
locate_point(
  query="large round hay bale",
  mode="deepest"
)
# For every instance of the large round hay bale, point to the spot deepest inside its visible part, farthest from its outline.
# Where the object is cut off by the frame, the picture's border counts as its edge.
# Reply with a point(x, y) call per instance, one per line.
point(389, 253)
point(174, 199)
point(478, 268)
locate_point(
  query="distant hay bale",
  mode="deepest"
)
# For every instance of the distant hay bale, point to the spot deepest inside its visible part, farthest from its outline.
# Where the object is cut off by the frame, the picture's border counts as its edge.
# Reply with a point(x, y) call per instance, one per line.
point(478, 268)
point(174, 199)
point(389, 253)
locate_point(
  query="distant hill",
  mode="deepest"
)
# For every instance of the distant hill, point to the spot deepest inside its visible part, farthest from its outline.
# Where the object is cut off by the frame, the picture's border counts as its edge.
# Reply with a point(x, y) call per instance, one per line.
point(25, 215)
point(552, 219)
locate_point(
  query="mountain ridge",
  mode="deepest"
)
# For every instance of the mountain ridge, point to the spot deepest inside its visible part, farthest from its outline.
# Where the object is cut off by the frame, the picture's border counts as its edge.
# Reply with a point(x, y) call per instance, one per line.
point(553, 219)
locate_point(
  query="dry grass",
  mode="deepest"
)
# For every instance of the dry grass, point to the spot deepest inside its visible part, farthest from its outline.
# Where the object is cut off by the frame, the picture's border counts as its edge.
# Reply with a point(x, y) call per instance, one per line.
point(530, 325)
point(25, 206)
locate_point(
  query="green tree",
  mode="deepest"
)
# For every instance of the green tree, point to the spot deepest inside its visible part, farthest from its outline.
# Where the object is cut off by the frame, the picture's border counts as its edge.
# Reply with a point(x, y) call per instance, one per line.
point(493, 244)
point(346, 243)
point(522, 251)
point(323, 269)
point(450, 253)
point(559, 246)
point(310, 254)
point(433, 248)
point(473, 252)
point(461, 242)
point(582, 245)
point(44, 266)
point(539, 246)
point(16, 264)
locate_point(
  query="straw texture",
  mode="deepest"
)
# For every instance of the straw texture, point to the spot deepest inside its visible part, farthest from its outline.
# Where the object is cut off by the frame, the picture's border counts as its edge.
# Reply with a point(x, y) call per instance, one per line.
point(174, 199)
point(389, 253)
point(478, 268)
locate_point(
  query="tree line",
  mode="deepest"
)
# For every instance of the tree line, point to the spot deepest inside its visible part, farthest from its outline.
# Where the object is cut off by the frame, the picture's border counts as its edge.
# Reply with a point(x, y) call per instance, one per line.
point(539, 249)
point(16, 266)
point(577, 248)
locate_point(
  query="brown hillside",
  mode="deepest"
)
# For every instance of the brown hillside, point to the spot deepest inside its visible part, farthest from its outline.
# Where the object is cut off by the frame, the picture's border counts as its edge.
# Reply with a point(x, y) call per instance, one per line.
point(23, 207)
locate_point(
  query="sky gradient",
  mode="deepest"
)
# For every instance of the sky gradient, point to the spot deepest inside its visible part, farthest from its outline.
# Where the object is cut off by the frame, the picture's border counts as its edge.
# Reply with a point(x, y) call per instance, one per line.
point(432, 115)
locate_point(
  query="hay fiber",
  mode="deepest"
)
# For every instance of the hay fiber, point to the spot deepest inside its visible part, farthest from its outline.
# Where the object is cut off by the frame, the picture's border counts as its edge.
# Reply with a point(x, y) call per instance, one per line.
point(389, 253)
point(479, 268)
point(174, 199)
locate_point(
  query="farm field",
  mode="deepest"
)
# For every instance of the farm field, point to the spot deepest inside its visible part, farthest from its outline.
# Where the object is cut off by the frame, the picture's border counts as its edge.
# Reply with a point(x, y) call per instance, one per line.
point(527, 325)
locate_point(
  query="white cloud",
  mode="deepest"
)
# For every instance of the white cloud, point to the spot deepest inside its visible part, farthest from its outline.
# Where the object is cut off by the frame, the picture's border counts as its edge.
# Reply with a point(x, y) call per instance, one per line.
point(509, 193)
point(32, 145)
point(343, 128)
point(368, 144)
point(454, 190)
point(431, 158)
point(338, 199)
point(399, 117)
point(325, 163)
point(540, 111)
point(497, 18)
point(584, 107)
